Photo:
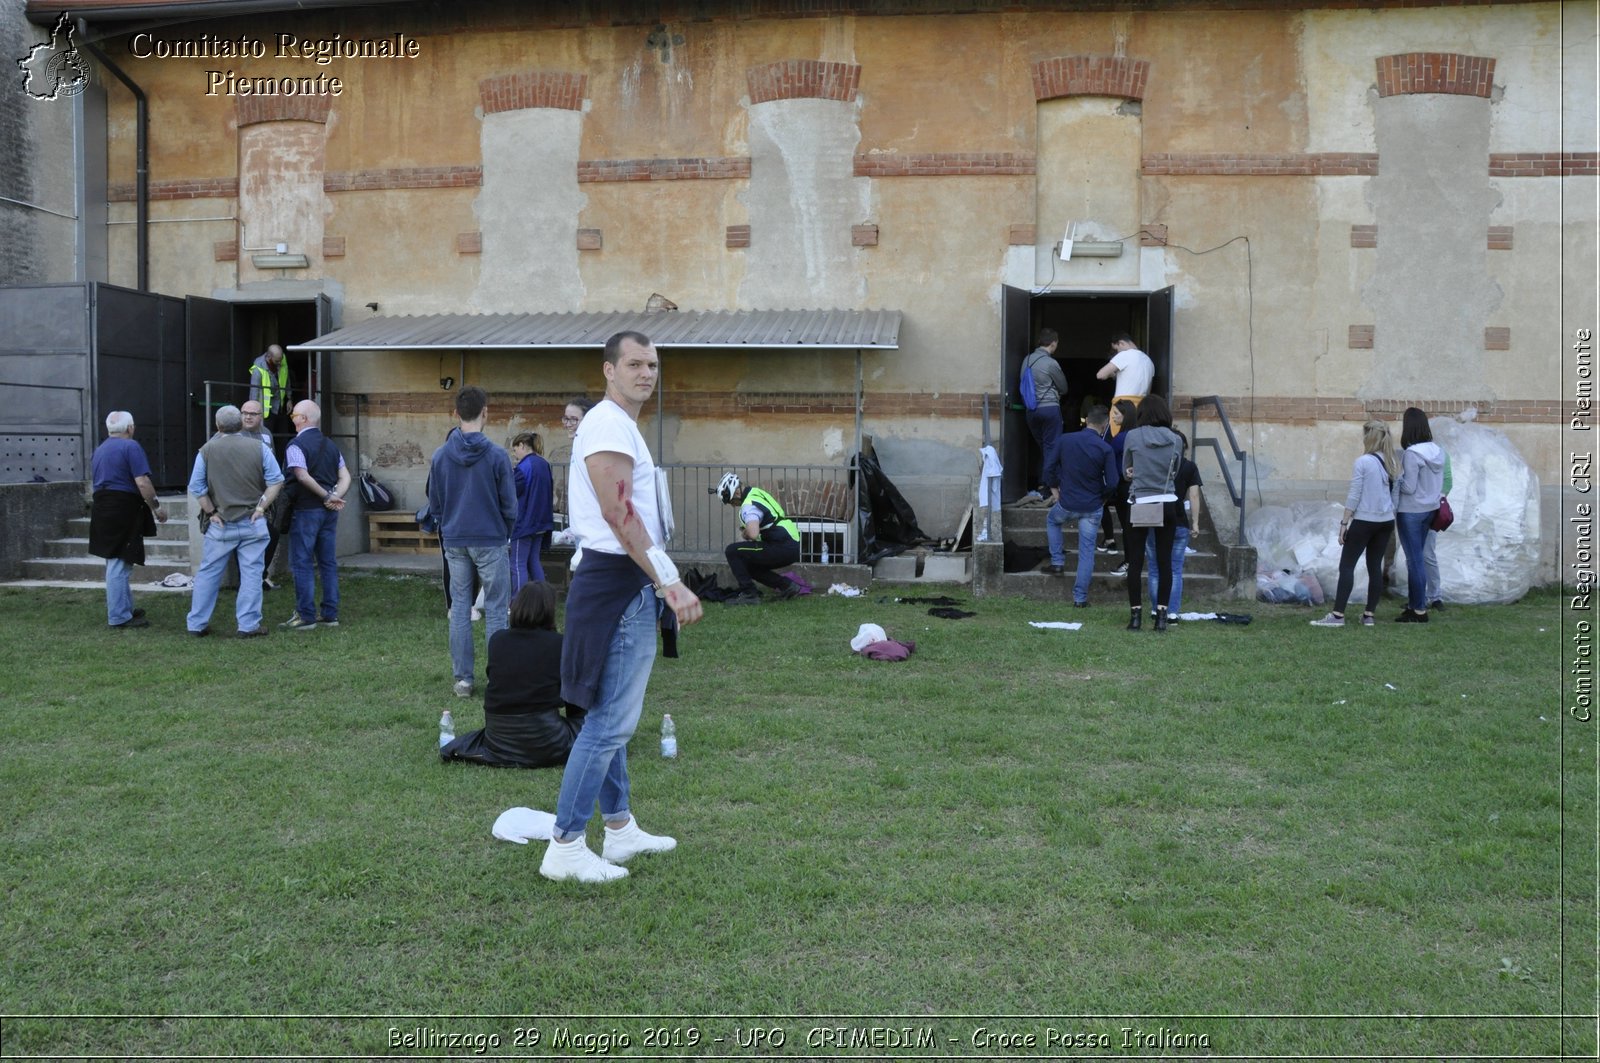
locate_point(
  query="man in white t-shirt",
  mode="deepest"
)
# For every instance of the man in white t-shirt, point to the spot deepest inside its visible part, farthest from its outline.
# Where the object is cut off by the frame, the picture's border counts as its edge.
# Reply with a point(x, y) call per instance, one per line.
point(1134, 370)
point(613, 605)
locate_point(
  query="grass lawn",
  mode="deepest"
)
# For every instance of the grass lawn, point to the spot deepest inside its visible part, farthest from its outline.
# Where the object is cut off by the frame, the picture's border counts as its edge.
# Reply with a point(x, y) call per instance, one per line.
point(1263, 840)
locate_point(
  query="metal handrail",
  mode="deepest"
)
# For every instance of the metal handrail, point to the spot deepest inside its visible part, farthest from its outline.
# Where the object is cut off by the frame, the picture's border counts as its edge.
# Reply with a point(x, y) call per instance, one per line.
point(1236, 492)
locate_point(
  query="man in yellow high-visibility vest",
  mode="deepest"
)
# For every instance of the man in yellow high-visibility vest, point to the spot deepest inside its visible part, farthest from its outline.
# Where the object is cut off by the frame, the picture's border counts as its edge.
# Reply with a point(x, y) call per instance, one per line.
point(769, 540)
point(269, 385)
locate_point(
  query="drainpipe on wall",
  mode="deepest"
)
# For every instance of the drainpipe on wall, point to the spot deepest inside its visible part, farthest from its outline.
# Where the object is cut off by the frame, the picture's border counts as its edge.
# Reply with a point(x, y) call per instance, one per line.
point(141, 156)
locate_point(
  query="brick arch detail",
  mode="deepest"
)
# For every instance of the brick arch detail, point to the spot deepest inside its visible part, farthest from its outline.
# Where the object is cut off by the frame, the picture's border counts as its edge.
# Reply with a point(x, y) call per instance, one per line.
point(253, 110)
point(1090, 75)
point(803, 79)
point(1412, 73)
point(532, 88)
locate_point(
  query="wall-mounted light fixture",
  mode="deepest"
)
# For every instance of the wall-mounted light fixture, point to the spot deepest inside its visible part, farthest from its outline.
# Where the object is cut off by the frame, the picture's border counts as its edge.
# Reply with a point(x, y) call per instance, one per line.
point(280, 261)
point(1093, 249)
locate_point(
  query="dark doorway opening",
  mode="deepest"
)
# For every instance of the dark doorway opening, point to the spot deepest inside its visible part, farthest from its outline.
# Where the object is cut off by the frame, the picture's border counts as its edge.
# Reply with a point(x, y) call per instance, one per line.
point(1086, 323)
point(227, 337)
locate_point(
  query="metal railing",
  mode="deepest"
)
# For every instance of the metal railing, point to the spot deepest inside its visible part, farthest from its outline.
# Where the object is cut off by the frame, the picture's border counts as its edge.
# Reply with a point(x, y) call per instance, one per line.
point(820, 499)
point(341, 406)
point(1236, 492)
point(26, 454)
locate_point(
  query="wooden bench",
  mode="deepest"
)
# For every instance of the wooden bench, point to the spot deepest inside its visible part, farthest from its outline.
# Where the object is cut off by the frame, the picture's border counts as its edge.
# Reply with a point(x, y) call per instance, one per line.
point(397, 533)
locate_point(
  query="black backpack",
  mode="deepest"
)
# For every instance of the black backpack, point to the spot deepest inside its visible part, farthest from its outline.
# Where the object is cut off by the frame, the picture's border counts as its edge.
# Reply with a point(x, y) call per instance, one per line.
point(374, 495)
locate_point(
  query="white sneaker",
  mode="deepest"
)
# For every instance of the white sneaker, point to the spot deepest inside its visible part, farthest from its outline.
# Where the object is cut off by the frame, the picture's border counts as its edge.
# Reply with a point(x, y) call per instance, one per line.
point(625, 844)
point(463, 688)
point(1330, 620)
point(575, 861)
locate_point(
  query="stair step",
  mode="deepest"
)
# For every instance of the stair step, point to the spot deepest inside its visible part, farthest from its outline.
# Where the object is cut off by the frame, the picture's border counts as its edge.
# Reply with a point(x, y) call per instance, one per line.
point(176, 528)
point(93, 569)
point(168, 549)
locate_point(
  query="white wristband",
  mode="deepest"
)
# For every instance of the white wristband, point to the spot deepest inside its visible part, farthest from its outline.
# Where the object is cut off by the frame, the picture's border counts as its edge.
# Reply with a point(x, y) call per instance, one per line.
point(666, 571)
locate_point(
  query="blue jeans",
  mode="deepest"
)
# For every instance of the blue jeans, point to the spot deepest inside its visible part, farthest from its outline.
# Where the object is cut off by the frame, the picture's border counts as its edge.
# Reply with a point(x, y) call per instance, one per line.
point(311, 547)
point(1430, 565)
point(1088, 527)
point(247, 538)
point(119, 593)
point(525, 564)
point(597, 767)
point(1180, 543)
point(1413, 531)
point(493, 575)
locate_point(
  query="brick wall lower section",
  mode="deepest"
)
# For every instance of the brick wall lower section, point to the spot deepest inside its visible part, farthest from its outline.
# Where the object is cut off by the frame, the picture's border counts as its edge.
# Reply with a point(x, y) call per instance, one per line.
point(1435, 72)
point(1545, 164)
point(803, 79)
point(519, 92)
point(402, 177)
point(1302, 410)
point(1090, 75)
point(252, 110)
point(687, 169)
point(943, 164)
point(1305, 164)
point(181, 188)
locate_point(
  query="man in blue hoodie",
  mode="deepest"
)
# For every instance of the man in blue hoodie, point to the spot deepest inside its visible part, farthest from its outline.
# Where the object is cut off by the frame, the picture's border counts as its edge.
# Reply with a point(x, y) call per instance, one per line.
point(471, 488)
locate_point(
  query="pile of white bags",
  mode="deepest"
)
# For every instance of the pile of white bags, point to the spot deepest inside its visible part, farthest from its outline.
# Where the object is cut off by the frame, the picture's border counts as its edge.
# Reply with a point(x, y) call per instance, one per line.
point(1490, 554)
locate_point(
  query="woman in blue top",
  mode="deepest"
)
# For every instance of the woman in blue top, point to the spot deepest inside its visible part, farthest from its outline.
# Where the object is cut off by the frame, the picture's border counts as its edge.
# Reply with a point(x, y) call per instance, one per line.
point(535, 509)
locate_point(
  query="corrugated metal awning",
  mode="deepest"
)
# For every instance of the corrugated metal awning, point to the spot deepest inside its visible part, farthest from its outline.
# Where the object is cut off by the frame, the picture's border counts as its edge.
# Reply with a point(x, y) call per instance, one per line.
point(678, 329)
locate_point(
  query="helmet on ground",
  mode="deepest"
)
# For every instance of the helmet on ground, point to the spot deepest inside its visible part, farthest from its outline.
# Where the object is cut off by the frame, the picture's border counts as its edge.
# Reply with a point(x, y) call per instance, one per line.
point(729, 489)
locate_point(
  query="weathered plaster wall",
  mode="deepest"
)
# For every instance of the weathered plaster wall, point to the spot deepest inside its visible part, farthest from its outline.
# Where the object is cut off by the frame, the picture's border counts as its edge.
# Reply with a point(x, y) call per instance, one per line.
point(530, 202)
point(281, 167)
point(1431, 294)
point(1088, 178)
point(806, 197)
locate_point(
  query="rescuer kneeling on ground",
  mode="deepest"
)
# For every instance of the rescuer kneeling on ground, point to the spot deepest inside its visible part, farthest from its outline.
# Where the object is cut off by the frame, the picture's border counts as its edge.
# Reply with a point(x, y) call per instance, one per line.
point(769, 541)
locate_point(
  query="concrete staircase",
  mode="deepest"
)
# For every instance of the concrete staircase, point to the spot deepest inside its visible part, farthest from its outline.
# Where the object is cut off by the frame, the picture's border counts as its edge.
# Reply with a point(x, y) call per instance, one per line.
point(66, 562)
point(1015, 565)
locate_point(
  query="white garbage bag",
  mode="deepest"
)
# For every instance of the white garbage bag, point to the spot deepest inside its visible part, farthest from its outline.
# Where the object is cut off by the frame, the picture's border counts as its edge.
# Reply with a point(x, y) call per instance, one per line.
point(1491, 553)
point(1297, 547)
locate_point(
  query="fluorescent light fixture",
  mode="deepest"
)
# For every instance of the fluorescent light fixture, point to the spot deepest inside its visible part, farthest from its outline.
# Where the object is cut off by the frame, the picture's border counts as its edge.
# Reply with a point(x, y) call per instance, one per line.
point(1094, 249)
point(280, 261)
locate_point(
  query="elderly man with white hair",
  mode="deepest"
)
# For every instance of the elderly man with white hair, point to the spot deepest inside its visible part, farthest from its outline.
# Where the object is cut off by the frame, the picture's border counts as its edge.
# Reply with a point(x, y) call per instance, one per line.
point(118, 519)
point(235, 479)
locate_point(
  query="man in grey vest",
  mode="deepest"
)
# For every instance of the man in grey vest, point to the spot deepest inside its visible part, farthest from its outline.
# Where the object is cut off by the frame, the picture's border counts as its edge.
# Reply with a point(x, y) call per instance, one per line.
point(235, 479)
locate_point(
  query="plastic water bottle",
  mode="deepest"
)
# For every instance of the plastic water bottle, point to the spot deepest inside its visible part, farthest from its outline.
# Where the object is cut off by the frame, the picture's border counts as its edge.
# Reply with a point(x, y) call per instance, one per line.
point(669, 736)
point(824, 550)
point(447, 729)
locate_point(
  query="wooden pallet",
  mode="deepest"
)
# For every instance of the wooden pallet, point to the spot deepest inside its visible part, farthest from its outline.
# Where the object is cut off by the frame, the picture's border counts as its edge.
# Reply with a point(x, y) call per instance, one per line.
point(397, 533)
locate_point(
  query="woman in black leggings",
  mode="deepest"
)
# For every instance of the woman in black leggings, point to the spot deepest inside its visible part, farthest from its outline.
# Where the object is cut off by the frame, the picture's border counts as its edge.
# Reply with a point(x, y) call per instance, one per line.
point(1367, 522)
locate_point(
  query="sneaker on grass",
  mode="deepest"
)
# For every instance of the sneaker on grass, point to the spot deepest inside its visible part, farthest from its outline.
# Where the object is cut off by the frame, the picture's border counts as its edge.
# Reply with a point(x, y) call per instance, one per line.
point(575, 861)
point(1331, 620)
point(628, 842)
point(298, 623)
point(463, 688)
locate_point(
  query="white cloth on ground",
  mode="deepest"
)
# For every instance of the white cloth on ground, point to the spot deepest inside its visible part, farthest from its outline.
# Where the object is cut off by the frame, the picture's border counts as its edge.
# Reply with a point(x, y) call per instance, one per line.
point(522, 825)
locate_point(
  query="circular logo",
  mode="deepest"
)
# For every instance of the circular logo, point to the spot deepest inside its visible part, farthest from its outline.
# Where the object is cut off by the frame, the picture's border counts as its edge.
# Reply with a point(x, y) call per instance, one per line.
point(67, 73)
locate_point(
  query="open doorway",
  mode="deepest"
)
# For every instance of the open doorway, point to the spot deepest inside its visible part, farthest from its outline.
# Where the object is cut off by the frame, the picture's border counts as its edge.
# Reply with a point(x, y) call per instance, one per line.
point(1086, 322)
point(225, 337)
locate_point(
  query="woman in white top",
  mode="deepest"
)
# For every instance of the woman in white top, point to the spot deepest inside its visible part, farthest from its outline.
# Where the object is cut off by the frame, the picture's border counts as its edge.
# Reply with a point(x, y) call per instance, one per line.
point(1367, 522)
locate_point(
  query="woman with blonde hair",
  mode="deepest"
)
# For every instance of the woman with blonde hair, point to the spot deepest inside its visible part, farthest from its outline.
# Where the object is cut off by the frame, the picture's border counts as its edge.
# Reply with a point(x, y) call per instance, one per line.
point(1367, 522)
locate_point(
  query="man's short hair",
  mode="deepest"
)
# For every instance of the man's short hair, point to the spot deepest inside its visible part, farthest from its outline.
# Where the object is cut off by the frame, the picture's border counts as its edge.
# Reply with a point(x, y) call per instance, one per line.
point(229, 419)
point(1047, 336)
point(118, 422)
point(1097, 416)
point(1122, 337)
point(310, 411)
point(614, 344)
point(470, 402)
point(534, 606)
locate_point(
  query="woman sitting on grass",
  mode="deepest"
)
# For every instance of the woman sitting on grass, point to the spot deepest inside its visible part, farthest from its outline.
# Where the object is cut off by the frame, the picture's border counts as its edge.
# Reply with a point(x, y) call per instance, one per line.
point(522, 707)
point(1367, 522)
